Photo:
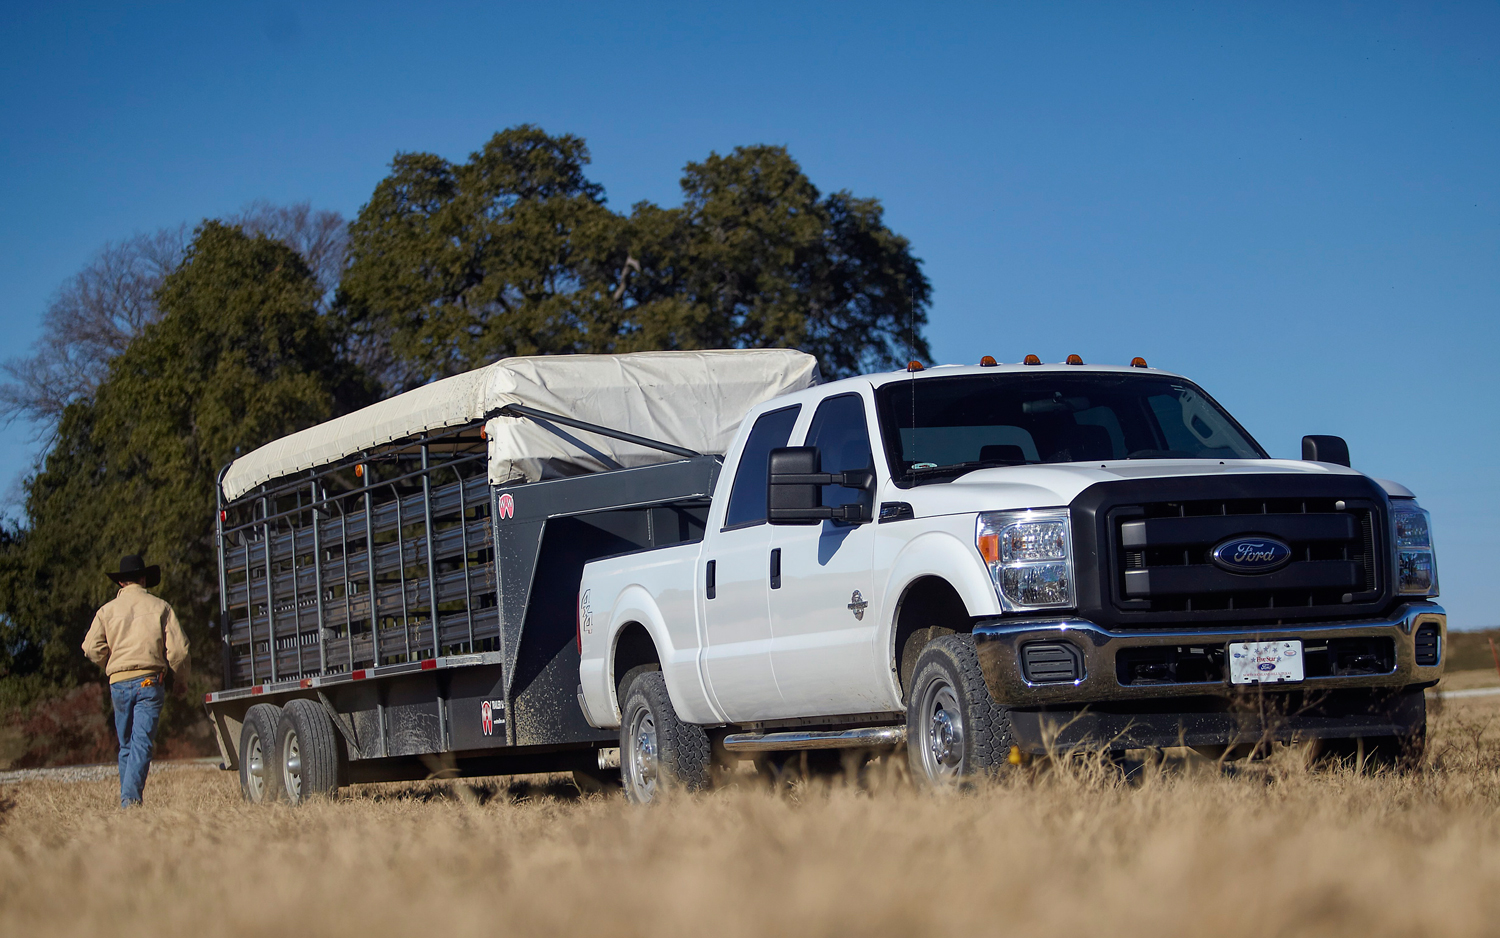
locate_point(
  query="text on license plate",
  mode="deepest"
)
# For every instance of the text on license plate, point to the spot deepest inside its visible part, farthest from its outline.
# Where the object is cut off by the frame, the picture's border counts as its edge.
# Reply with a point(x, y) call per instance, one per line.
point(1265, 662)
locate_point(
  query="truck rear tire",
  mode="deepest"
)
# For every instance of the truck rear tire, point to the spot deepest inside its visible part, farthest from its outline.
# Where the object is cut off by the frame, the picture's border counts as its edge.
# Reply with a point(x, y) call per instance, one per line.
point(259, 783)
point(954, 729)
point(308, 759)
point(658, 752)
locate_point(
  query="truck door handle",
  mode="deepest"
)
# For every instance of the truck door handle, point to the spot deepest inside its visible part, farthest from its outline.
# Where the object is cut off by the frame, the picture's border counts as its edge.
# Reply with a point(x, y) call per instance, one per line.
point(776, 569)
point(710, 579)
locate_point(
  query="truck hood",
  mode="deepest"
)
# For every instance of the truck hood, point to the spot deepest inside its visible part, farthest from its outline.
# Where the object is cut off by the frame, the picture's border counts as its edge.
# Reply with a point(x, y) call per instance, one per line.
point(1056, 485)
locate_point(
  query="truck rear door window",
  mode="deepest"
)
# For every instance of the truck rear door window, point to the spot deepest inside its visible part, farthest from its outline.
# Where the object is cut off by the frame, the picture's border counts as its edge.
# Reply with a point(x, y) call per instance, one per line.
point(747, 500)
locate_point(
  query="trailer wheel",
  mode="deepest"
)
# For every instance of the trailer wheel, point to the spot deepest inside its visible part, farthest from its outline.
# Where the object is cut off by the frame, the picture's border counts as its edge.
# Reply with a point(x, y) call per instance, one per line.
point(259, 783)
point(308, 759)
point(659, 752)
point(954, 729)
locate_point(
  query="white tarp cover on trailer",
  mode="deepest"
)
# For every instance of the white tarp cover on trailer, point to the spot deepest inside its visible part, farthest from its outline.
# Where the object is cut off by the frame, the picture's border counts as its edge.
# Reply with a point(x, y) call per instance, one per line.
point(694, 400)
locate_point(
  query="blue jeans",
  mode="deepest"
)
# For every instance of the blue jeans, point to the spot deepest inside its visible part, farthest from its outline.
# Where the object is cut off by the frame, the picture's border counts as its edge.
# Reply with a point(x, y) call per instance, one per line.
point(137, 708)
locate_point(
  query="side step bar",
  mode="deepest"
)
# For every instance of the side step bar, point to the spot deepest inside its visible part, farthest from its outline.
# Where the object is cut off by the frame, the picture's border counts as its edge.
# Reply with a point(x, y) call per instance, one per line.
point(865, 737)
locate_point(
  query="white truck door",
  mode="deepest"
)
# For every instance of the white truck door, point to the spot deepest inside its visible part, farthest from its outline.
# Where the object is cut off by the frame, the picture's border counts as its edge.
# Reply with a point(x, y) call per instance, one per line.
point(737, 642)
point(824, 614)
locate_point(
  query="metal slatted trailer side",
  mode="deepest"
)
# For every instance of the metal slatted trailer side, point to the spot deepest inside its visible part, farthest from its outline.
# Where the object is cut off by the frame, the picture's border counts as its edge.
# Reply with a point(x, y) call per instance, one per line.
point(327, 585)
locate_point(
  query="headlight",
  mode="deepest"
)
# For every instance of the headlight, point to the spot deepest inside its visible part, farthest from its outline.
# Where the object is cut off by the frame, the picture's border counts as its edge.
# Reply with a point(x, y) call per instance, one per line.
point(1416, 563)
point(1030, 557)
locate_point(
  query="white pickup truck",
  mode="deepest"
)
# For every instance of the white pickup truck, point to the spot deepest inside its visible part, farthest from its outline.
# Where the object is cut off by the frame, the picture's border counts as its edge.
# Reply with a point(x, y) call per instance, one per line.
point(998, 561)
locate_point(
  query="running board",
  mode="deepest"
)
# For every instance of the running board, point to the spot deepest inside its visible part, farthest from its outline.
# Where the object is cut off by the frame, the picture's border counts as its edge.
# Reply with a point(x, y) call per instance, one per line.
point(863, 738)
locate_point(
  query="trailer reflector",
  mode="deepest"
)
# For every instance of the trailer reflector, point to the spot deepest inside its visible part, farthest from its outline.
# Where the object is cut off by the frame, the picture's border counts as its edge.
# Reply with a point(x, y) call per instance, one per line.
point(258, 689)
point(429, 664)
point(358, 675)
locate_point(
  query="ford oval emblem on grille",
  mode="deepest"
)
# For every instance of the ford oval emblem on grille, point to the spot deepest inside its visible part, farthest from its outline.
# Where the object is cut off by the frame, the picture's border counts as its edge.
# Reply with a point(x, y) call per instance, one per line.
point(1252, 555)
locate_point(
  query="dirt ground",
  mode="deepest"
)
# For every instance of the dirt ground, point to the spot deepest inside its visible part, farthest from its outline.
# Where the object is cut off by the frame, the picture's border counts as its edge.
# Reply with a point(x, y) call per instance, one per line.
point(1190, 848)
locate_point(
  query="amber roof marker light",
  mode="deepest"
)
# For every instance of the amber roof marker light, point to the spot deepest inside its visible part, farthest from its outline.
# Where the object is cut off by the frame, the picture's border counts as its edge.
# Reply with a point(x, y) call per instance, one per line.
point(914, 365)
point(1032, 360)
point(1138, 362)
point(988, 361)
point(1075, 360)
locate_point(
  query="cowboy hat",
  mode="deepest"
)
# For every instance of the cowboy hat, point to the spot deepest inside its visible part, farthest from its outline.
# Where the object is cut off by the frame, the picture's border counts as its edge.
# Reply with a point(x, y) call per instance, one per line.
point(133, 568)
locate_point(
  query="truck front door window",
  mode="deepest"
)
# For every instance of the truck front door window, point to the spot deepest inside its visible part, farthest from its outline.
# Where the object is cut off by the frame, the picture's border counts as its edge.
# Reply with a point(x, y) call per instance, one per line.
point(838, 431)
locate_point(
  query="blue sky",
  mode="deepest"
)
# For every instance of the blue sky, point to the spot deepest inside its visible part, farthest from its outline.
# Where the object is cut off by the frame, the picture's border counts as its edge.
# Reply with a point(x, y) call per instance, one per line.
point(1297, 205)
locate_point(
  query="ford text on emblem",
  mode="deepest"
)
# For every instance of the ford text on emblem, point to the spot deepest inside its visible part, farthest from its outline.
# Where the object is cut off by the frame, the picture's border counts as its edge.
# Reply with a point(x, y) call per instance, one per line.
point(1252, 555)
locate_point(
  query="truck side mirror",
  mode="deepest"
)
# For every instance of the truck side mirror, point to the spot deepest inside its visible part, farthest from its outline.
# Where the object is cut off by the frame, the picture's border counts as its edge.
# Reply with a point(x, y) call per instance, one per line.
point(1325, 449)
point(794, 483)
point(792, 496)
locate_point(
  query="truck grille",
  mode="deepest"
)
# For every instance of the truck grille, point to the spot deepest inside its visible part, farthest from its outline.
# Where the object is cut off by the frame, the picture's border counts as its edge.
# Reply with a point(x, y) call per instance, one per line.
point(1156, 553)
point(1166, 552)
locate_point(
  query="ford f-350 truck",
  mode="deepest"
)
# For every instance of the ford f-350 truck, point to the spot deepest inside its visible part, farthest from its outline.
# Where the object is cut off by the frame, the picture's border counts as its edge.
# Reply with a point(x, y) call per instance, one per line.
point(997, 561)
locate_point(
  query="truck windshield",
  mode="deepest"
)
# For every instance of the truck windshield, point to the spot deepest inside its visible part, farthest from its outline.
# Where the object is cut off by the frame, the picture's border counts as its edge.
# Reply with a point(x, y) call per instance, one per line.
point(937, 428)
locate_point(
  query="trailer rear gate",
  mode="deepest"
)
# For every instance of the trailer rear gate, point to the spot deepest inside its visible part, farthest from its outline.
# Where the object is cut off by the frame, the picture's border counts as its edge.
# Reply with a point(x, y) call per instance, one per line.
point(328, 580)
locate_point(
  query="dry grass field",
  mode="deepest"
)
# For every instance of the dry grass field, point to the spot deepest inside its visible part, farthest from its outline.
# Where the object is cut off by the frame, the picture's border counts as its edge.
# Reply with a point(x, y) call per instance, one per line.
point(1186, 849)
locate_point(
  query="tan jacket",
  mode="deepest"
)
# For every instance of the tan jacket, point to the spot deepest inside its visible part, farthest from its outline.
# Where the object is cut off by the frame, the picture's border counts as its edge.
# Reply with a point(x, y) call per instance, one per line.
point(134, 634)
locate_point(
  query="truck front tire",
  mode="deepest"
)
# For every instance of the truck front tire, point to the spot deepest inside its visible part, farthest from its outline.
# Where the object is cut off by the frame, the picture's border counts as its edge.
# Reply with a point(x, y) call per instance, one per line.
point(658, 752)
point(259, 782)
point(954, 729)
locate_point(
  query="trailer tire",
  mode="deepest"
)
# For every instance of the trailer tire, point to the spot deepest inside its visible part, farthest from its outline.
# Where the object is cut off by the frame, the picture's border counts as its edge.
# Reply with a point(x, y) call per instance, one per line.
point(308, 758)
point(259, 783)
point(955, 732)
point(659, 753)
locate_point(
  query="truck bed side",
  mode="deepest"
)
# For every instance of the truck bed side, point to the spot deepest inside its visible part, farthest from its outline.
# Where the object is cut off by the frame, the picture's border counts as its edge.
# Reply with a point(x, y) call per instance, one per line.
point(651, 593)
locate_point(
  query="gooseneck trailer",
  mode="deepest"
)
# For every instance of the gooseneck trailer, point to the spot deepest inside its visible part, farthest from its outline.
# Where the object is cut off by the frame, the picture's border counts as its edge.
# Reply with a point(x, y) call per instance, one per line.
point(399, 586)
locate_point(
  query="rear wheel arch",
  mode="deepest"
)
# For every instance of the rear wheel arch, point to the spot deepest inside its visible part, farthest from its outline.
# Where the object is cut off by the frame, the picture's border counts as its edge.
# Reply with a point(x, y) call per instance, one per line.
point(634, 650)
point(929, 608)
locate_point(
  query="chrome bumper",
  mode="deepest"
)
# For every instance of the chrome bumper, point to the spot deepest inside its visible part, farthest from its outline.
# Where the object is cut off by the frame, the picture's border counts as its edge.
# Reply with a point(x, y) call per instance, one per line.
point(998, 642)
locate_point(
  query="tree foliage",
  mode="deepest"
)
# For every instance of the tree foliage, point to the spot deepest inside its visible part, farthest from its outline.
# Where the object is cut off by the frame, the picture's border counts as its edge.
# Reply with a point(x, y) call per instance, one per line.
point(239, 356)
point(515, 252)
point(102, 308)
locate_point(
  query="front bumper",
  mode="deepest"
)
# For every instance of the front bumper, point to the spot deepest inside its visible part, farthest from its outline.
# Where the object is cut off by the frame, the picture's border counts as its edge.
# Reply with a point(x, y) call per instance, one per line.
point(999, 643)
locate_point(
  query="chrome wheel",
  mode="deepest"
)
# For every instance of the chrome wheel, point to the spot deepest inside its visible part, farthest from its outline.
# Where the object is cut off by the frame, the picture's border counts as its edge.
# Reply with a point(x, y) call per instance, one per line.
point(292, 766)
point(255, 761)
point(941, 725)
point(641, 762)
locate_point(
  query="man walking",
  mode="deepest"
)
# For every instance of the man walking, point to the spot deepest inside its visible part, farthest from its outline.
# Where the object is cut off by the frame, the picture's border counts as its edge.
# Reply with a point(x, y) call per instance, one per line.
point(135, 638)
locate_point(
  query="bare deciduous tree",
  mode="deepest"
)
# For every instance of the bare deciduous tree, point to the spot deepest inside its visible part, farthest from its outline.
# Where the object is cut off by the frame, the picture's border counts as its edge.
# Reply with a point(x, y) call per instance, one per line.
point(101, 308)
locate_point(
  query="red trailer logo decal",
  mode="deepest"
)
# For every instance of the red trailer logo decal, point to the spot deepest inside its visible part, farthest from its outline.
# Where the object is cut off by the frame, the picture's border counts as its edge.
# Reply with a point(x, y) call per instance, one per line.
point(507, 506)
point(487, 718)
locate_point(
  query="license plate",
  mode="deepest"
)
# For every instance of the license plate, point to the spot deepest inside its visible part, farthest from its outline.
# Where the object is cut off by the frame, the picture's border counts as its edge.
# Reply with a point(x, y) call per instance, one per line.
point(1265, 662)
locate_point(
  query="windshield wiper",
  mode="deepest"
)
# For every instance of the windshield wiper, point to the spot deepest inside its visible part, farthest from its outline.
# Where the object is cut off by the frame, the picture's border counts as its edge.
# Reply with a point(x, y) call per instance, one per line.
point(925, 471)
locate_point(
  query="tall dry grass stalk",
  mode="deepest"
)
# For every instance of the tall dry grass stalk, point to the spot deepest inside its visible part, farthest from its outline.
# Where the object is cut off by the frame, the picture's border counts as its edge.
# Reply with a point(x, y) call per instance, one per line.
point(1272, 849)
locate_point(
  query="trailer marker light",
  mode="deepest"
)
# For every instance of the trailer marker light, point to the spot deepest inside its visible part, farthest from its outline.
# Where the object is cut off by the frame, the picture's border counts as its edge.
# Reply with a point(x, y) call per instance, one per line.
point(1032, 360)
point(306, 683)
point(223, 515)
point(1138, 362)
point(429, 664)
point(1075, 360)
point(359, 471)
point(208, 698)
point(988, 361)
point(484, 433)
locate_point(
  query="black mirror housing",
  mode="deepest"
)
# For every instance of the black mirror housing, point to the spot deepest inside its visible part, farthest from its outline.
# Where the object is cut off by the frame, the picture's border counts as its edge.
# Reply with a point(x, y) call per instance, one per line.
point(1330, 449)
point(792, 496)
